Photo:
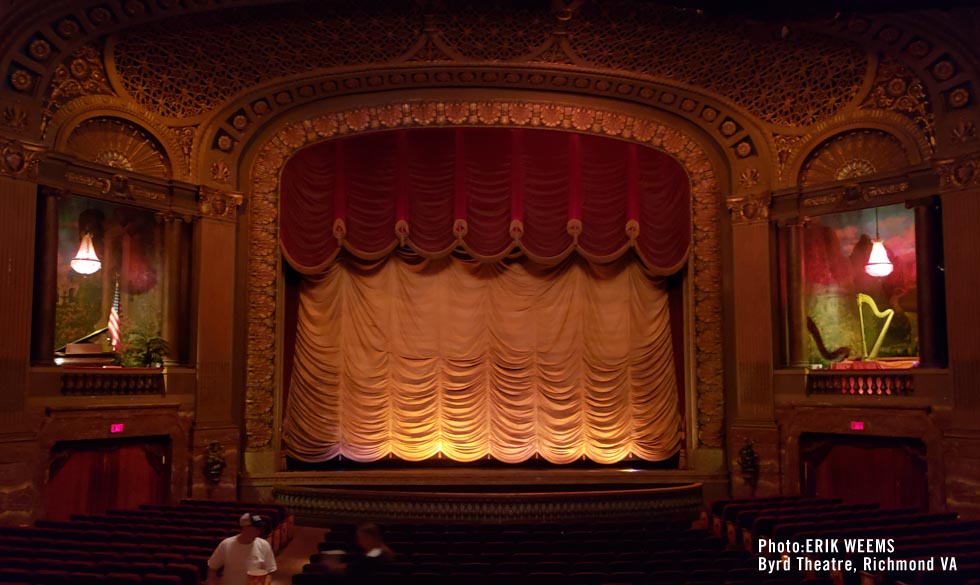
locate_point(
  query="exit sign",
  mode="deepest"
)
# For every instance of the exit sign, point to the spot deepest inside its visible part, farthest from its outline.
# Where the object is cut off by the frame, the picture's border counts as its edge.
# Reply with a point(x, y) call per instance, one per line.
point(117, 428)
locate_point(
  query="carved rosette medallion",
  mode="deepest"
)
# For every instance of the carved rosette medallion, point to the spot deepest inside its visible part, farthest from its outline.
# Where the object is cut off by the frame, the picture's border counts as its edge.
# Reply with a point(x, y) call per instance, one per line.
point(264, 228)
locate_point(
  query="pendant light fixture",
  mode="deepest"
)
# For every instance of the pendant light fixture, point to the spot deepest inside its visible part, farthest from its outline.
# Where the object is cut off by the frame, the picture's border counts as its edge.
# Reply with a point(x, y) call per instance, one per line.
point(878, 263)
point(85, 260)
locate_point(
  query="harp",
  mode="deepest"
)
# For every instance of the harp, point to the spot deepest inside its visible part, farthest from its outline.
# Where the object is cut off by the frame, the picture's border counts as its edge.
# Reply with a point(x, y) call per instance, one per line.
point(887, 315)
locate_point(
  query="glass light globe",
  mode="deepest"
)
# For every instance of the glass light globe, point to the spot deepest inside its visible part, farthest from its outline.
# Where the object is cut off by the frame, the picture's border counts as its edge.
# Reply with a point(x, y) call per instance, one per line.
point(85, 260)
point(878, 263)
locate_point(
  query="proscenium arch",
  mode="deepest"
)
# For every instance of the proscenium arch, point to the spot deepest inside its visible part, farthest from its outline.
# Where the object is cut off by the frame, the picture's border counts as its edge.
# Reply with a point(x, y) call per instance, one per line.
point(724, 127)
point(265, 157)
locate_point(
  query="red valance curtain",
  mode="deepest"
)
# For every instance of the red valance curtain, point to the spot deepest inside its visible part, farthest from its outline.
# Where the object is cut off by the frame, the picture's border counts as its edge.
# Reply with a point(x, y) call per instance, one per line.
point(487, 190)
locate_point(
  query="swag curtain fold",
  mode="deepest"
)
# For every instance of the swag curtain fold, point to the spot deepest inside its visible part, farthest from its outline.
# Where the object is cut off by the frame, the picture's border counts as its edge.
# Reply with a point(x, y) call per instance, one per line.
point(405, 348)
point(487, 191)
point(415, 357)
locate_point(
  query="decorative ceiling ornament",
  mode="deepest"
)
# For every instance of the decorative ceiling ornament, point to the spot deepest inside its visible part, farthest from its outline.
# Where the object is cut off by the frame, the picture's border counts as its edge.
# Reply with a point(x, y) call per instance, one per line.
point(81, 74)
point(171, 75)
point(806, 79)
point(119, 144)
point(898, 89)
point(853, 154)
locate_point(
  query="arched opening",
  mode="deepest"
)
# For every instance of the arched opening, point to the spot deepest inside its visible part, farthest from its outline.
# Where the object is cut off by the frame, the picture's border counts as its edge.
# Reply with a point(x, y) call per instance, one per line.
point(415, 232)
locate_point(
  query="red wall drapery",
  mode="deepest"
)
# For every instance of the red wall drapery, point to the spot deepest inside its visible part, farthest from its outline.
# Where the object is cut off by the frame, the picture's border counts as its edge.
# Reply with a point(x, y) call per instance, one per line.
point(487, 190)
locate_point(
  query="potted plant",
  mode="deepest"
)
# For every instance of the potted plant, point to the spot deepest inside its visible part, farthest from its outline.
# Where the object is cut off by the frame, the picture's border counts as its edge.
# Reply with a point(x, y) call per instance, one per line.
point(144, 351)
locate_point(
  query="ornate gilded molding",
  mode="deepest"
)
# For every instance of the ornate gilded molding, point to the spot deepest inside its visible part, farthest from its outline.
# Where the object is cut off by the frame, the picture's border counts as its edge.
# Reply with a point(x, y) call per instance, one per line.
point(900, 90)
point(229, 130)
point(681, 503)
point(289, 137)
point(218, 204)
point(120, 144)
point(174, 143)
point(853, 154)
point(117, 185)
point(18, 161)
point(81, 75)
point(250, 47)
point(855, 193)
point(14, 118)
point(959, 174)
point(750, 208)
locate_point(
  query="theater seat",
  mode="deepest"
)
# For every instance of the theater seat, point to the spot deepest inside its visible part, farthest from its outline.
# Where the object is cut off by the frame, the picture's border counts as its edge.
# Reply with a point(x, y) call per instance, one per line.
point(49, 577)
point(157, 579)
point(86, 579)
point(122, 579)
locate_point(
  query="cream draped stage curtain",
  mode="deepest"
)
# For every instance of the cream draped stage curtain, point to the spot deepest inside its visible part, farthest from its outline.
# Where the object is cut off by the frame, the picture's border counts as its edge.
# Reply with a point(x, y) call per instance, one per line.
point(418, 357)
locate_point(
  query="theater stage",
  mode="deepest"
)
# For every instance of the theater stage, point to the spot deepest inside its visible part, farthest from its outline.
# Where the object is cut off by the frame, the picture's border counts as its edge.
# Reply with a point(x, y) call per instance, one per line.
point(488, 495)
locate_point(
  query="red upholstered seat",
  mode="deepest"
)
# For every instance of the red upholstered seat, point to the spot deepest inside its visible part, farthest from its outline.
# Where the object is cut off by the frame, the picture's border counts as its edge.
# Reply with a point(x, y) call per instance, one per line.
point(50, 577)
point(189, 574)
point(12, 574)
point(123, 579)
point(160, 579)
point(86, 579)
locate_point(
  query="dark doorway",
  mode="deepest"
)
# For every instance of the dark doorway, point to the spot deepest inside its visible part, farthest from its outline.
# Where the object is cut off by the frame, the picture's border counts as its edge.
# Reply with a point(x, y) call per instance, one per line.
point(90, 477)
point(891, 471)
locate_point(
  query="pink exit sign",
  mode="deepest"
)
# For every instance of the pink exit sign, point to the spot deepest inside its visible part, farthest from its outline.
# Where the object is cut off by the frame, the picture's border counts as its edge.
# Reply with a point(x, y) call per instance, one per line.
point(119, 427)
point(857, 425)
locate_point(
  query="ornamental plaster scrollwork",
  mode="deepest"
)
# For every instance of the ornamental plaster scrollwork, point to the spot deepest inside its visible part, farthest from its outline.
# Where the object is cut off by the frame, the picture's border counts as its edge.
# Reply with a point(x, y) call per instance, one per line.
point(279, 145)
point(959, 174)
point(18, 160)
point(218, 204)
point(750, 208)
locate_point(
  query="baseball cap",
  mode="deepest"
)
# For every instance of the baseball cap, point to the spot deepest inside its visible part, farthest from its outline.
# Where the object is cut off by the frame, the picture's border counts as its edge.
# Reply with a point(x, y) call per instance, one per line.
point(249, 519)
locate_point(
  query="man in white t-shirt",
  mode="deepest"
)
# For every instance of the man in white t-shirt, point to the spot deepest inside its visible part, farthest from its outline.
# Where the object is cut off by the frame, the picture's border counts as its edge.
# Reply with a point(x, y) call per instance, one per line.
point(242, 553)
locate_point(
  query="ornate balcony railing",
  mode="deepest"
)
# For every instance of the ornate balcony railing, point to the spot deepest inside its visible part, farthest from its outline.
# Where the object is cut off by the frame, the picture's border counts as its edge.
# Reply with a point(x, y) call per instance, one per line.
point(110, 382)
point(857, 382)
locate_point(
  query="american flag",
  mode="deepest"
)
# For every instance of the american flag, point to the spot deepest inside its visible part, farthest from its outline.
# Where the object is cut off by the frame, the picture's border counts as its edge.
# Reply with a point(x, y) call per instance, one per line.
point(114, 319)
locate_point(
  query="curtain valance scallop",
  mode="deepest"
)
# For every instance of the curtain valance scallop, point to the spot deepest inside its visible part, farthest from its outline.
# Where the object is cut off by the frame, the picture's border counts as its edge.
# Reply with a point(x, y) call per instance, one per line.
point(487, 190)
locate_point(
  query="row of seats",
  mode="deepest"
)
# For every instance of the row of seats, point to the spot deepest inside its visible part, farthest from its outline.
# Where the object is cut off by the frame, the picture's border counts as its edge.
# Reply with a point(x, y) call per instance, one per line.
point(153, 545)
point(627, 553)
point(915, 535)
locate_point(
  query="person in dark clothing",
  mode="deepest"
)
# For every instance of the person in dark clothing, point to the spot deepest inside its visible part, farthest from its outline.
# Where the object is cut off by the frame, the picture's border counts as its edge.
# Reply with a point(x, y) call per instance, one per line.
point(363, 567)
